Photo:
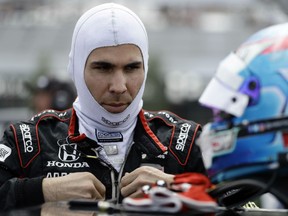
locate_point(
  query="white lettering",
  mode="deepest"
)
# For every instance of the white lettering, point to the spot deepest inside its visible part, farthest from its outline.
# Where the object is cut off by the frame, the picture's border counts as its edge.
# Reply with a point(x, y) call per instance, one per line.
point(56, 174)
point(27, 138)
point(161, 156)
point(115, 124)
point(150, 115)
point(181, 140)
point(62, 114)
point(49, 111)
point(169, 117)
point(70, 165)
point(51, 163)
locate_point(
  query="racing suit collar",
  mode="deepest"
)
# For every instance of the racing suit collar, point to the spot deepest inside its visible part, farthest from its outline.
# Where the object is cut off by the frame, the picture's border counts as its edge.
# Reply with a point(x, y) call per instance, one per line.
point(142, 133)
point(145, 136)
point(73, 131)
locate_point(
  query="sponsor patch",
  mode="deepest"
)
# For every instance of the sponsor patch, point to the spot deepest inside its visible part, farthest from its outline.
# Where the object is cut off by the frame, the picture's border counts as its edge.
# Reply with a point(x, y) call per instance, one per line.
point(111, 149)
point(27, 143)
point(104, 137)
point(56, 174)
point(182, 142)
point(115, 124)
point(27, 138)
point(75, 165)
point(5, 151)
point(50, 112)
point(182, 137)
point(68, 152)
point(168, 116)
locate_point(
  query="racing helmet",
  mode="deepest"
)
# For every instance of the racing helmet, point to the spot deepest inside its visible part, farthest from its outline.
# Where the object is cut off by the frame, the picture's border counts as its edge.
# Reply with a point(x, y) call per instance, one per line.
point(248, 95)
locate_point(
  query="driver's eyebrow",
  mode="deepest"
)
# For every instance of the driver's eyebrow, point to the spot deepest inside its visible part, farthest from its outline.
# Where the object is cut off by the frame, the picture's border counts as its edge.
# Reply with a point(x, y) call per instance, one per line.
point(134, 64)
point(101, 63)
point(109, 64)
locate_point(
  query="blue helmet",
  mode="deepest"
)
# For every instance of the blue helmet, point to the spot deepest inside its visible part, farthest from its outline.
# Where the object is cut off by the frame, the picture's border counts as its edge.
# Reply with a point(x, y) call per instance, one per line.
point(248, 95)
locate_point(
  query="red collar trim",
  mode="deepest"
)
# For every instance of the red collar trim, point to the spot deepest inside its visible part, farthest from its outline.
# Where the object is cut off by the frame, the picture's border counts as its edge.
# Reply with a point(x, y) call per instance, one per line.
point(72, 133)
point(150, 133)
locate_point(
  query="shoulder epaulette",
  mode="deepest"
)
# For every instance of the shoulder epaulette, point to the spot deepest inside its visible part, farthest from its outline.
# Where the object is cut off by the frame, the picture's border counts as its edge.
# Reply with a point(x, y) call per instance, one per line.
point(183, 134)
point(26, 134)
point(52, 113)
point(26, 141)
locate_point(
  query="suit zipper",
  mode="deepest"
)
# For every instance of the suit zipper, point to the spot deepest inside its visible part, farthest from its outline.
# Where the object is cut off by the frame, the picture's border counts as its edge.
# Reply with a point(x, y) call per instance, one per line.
point(114, 185)
point(120, 175)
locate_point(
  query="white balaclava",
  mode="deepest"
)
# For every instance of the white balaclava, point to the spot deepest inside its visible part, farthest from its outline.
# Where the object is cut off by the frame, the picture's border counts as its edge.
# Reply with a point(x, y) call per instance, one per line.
point(105, 25)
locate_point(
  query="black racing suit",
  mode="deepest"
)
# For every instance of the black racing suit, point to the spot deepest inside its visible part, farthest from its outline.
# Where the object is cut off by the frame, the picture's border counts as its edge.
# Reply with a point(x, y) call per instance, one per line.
point(49, 145)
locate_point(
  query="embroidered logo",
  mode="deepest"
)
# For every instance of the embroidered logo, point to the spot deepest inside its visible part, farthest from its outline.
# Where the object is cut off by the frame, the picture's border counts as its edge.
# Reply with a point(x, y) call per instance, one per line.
point(68, 153)
point(104, 137)
point(27, 138)
point(5, 151)
point(115, 124)
point(168, 116)
point(181, 140)
point(111, 149)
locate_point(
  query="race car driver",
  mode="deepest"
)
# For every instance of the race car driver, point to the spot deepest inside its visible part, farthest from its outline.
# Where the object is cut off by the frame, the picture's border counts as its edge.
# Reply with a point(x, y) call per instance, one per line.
point(106, 146)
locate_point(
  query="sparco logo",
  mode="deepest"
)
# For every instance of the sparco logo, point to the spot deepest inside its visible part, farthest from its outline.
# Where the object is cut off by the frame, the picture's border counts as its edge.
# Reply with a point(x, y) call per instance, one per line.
point(181, 141)
point(27, 138)
point(115, 124)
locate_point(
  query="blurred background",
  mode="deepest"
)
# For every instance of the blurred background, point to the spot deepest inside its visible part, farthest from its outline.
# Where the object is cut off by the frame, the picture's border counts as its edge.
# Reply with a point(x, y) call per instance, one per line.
point(188, 38)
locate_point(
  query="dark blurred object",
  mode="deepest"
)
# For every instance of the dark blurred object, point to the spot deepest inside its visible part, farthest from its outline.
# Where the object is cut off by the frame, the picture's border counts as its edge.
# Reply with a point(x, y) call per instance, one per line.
point(193, 110)
point(51, 93)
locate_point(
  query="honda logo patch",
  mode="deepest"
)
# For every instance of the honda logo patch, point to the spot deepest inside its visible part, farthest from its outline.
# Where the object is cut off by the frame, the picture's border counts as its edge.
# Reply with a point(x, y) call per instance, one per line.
point(68, 152)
